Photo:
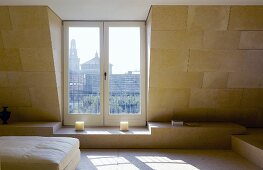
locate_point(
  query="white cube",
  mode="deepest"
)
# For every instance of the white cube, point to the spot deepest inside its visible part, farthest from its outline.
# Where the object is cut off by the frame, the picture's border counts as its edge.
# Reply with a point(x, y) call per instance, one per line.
point(124, 126)
point(79, 125)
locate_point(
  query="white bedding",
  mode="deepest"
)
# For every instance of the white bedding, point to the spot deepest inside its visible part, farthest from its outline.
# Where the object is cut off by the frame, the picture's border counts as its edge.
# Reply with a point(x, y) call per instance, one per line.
point(39, 153)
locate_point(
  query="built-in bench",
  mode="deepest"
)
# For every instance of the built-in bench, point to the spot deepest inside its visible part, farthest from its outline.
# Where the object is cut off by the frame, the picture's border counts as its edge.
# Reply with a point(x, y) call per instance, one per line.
point(29, 128)
point(250, 145)
point(158, 135)
point(205, 135)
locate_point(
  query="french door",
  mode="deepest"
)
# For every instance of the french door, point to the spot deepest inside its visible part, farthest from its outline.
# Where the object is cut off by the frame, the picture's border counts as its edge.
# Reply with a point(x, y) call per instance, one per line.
point(104, 73)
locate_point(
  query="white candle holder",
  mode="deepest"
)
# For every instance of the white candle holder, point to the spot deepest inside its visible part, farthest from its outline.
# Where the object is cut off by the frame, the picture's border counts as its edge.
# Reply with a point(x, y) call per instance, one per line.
point(79, 125)
point(124, 126)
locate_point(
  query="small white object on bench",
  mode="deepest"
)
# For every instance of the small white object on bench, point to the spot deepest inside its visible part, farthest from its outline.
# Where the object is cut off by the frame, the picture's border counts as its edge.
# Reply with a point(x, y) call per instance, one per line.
point(79, 125)
point(124, 126)
point(177, 123)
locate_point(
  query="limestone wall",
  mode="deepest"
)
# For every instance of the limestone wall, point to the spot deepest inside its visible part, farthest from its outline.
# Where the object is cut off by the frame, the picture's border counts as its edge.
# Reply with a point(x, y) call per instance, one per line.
point(30, 63)
point(206, 64)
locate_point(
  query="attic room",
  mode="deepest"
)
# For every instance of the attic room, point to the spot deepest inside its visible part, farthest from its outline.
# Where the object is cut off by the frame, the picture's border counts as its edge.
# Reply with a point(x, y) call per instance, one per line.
point(134, 84)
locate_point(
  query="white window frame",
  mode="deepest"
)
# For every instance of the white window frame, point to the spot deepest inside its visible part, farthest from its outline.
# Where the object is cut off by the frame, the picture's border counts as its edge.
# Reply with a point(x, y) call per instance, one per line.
point(104, 118)
point(89, 119)
point(137, 119)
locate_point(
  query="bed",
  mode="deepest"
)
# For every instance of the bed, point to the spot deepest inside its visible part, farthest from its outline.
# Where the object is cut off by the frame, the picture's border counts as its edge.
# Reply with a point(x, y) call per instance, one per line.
point(39, 153)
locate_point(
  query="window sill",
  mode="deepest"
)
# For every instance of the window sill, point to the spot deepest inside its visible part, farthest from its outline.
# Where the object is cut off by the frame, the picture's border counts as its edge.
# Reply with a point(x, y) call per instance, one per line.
point(69, 130)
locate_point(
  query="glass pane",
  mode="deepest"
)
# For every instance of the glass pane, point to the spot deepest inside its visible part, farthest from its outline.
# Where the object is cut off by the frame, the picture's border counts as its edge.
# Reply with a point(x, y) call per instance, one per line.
point(84, 70)
point(124, 70)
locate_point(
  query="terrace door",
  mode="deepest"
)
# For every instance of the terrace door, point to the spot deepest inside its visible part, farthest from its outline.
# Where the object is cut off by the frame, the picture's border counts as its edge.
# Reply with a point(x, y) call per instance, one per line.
point(125, 65)
point(104, 70)
point(83, 83)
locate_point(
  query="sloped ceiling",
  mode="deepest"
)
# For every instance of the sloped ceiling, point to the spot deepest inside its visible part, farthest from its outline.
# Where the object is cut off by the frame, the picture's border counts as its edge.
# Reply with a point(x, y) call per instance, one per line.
point(115, 9)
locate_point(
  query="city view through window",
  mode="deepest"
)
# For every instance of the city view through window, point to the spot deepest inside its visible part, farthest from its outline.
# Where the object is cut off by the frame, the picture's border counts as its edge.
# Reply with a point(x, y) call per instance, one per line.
point(84, 73)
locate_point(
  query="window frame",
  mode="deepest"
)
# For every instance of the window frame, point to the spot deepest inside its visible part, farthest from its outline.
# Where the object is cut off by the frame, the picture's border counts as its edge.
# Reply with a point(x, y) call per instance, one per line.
point(89, 119)
point(137, 119)
point(104, 118)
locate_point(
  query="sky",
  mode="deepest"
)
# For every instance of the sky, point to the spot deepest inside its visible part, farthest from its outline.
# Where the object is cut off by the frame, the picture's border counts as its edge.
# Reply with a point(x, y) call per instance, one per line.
point(124, 46)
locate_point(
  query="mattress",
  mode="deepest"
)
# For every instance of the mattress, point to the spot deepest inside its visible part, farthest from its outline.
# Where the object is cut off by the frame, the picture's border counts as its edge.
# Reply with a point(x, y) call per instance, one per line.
point(39, 153)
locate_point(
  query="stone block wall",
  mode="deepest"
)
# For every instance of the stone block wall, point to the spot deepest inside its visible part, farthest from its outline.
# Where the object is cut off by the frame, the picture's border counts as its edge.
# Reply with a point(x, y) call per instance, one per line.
point(205, 64)
point(30, 63)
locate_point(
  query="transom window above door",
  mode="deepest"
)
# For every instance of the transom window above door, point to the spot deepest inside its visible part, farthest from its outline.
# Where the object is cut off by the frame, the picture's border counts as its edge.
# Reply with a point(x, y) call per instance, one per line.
point(104, 73)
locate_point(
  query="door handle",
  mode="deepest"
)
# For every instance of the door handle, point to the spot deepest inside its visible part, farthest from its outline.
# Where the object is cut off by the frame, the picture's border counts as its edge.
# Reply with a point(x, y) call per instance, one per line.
point(105, 75)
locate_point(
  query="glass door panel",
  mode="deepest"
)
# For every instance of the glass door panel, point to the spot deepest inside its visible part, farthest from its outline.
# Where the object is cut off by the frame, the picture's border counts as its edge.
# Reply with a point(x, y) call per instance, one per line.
point(84, 70)
point(83, 79)
point(125, 64)
point(124, 70)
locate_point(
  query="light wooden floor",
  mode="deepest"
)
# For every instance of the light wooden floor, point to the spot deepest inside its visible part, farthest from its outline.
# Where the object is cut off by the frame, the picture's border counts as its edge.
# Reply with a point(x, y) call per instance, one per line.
point(163, 159)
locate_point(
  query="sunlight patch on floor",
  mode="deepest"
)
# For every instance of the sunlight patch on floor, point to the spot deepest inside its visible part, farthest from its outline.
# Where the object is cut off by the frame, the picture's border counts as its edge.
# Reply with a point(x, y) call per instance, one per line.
point(111, 162)
point(164, 163)
point(153, 162)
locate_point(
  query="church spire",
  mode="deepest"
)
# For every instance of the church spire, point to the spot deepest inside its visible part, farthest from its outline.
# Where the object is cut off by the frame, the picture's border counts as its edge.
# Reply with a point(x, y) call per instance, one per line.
point(73, 49)
point(73, 57)
point(96, 55)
